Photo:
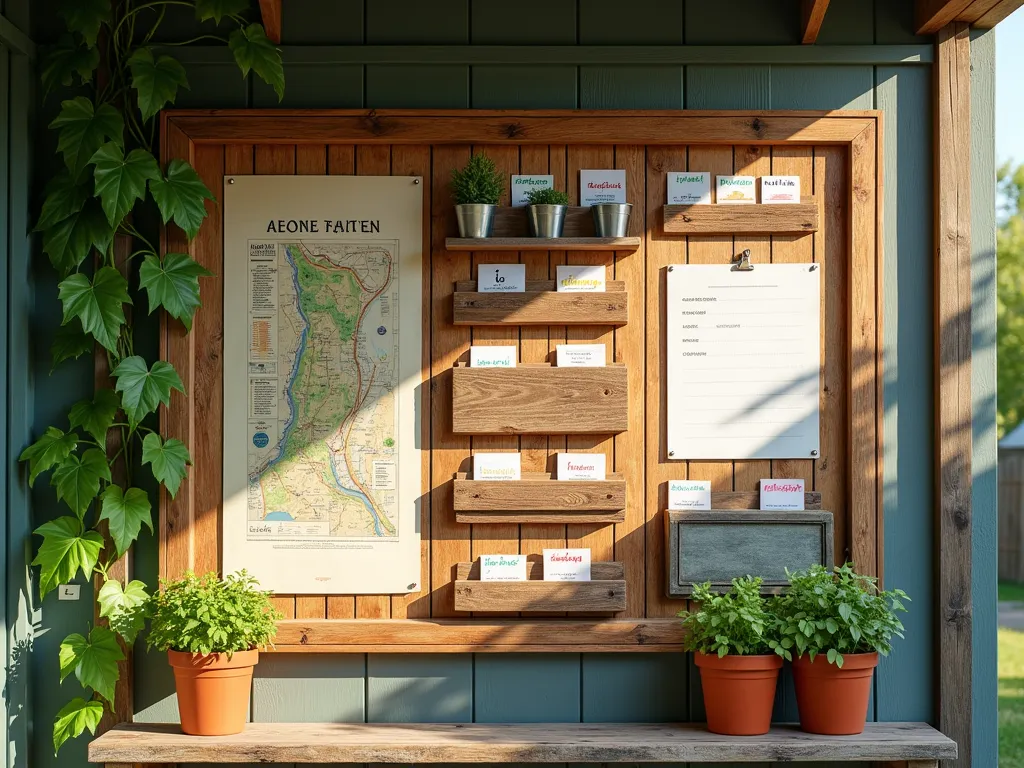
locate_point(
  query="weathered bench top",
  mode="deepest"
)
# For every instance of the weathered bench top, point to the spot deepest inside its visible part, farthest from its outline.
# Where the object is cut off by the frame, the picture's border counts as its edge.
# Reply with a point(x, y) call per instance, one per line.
point(486, 743)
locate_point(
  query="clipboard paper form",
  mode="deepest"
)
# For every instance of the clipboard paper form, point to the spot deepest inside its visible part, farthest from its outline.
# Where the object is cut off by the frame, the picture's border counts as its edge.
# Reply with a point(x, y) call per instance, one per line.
point(743, 361)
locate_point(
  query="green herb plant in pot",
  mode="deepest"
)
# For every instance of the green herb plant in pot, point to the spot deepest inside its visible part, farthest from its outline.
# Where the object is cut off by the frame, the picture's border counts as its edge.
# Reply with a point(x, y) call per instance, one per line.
point(476, 190)
point(837, 622)
point(739, 670)
point(212, 630)
point(546, 211)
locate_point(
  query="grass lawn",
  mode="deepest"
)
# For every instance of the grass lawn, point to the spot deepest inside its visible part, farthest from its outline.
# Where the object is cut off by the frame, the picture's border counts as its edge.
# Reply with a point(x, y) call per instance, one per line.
point(1008, 590)
point(1011, 698)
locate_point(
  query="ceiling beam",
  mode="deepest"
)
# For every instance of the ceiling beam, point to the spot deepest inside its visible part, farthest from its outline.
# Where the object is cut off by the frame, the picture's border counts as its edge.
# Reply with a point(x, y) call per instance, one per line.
point(812, 14)
point(932, 15)
point(988, 17)
point(271, 10)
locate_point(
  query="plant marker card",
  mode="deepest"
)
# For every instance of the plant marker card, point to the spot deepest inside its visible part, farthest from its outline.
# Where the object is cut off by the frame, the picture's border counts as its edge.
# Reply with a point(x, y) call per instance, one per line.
point(689, 494)
point(501, 278)
point(780, 189)
point(602, 187)
point(581, 466)
point(580, 279)
point(496, 466)
point(689, 187)
point(492, 357)
point(782, 494)
point(502, 567)
point(566, 565)
point(521, 184)
point(579, 355)
point(735, 190)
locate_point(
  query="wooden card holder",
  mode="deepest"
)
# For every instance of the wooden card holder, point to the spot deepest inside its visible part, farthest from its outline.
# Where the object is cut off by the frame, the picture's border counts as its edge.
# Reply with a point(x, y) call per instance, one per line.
point(751, 500)
point(606, 591)
point(539, 399)
point(539, 499)
point(541, 304)
point(511, 232)
point(793, 218)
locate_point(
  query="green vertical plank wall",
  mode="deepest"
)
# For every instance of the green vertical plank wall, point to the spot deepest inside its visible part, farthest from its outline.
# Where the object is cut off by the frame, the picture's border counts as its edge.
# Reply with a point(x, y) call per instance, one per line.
point(319, 39)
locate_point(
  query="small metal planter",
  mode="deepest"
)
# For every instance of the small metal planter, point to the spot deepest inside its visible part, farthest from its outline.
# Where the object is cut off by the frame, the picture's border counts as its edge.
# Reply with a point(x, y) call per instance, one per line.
point(611, 219)
point(475, 219)
point(546, 220)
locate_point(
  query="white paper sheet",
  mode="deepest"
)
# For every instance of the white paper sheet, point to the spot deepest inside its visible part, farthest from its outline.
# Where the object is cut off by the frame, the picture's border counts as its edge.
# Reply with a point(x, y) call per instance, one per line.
point(743, 362)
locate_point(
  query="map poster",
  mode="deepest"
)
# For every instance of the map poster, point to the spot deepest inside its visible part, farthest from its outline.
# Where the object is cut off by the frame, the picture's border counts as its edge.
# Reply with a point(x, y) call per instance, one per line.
point(322, 368)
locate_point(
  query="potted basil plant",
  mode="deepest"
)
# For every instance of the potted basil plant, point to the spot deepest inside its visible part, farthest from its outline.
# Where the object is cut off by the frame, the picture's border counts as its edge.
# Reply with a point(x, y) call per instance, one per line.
point(838, 622)
point(729, 636)
point(212, 630)
point(546, 211)
point(476, 190)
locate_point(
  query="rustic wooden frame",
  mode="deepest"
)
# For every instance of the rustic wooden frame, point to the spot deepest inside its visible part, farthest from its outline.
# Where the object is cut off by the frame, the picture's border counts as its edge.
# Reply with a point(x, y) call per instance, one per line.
point(755, 218)
point(189, 524)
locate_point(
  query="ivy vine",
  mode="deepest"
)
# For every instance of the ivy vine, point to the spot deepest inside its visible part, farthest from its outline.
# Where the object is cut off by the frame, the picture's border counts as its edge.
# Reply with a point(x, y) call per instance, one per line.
point(107, 140)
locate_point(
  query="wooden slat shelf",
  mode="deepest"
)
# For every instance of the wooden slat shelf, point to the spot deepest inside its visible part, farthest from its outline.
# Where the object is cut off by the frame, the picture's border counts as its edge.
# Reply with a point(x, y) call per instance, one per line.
point(606, 591)
point(741, 500)
point(540, 304)
point(539, 399)
point(542, 243)
point(537, 498)
point(503, 743)
point(717, 219)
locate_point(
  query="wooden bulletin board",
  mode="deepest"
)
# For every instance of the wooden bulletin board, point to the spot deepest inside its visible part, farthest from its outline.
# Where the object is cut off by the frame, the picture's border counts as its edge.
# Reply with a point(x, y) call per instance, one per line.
point(836, 154)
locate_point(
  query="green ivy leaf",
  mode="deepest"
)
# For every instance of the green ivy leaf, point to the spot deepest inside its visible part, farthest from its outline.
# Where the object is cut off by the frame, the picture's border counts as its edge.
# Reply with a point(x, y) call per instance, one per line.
point(73, 720)
point(180, 196)
point(845, 610)
point(69, 241)
point(168, 460)
point(69, 343)
point(99, 305)
point(93, 660)
point(85, 17)
point(64, 196)
point(83, 130)
point(120, 180)
point(126, 512)
point(65, 60)
point(218, 9)
point(173, 284)
point(97, 415)
point(65, 550)
point(143, 389)
point(156, 80)
point(77, 479)
point(254, 50)
point(124, 608)
point(48, 451)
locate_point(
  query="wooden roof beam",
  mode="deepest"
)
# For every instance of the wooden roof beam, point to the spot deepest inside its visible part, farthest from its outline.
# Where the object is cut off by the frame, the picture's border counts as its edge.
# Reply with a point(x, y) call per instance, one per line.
point(271, 10)
point(932, 15)
point(812, 14)
point(985, 14)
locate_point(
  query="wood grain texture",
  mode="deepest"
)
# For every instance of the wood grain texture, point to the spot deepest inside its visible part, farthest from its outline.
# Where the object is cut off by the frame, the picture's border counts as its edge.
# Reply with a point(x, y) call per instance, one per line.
point(994, 14)
point(752, 500)
point(545, 307)
point(932, 15)
point(494, 743)
point(755, 218)
point(564, 243)
point(540, 495)
point(608, 571)
point(270, 11)
point(812, 15)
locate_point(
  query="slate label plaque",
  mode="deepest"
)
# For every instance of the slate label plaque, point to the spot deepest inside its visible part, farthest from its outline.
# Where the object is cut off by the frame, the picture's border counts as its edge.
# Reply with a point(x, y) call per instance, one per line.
point(719, 545)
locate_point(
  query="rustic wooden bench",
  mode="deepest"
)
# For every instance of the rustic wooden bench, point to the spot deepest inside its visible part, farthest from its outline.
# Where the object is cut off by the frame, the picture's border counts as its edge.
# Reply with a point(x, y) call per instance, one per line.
point(918, 744)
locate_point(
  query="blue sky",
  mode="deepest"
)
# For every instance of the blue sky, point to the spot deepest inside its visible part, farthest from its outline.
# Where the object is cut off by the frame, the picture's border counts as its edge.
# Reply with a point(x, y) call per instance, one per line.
point(1010, 88)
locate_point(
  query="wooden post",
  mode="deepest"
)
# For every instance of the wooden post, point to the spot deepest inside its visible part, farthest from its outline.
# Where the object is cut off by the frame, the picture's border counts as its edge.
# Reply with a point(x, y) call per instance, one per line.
point(953, 381)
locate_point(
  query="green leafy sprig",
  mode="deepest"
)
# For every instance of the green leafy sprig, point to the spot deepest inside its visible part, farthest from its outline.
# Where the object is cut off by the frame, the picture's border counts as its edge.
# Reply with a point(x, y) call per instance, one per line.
point(480, 182)
point(106, 137)
point(733, 623)
point(546, 196)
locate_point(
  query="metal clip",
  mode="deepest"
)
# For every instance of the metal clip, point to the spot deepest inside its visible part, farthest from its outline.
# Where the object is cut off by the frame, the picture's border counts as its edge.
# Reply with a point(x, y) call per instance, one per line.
point(742, 263)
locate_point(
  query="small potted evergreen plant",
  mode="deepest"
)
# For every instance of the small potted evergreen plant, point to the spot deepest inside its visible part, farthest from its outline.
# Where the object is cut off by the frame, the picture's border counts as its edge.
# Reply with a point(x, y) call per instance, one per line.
point(838, 622)
point(546, 211)
point(729, 636)
point(212, 630)
point(476, 190)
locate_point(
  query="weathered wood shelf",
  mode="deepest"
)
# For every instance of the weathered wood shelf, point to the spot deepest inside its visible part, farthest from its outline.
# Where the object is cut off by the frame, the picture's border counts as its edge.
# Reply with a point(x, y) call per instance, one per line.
point(606, 591)
point(540, 304)
point(741, 500)
point(500, 743)
point(539, 400)
point(539, 499)
point(542, 243)
point(794, 218)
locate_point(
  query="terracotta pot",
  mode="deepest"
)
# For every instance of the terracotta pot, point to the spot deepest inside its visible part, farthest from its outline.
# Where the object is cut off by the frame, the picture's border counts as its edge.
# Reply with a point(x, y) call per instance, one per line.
point(213, 691)
point(739, 692)
point(831, 700)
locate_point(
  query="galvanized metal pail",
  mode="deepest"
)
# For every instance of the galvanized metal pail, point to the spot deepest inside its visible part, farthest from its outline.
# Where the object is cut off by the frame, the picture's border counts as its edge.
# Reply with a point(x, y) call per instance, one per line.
point(546, 220)
point(475, 219)
point(611, 219)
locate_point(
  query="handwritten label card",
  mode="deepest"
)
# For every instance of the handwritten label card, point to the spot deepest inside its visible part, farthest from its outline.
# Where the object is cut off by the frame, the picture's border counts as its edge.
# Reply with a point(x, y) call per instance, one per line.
point(501, 278)
point(602, 187)
point(566, 565)
point(496, 466)
point(782, 494)
point(732, 190)
point(502, 567)
point(780, 189)
point(581, 466)
point(689, 494)
point(580, 279)
point(689, 187)
point(521, 184)
point(492, 357)
point(580, 355)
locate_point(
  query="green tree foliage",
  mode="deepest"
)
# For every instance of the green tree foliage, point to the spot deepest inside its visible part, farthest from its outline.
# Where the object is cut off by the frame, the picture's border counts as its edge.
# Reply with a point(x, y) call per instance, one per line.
point(1010, 299)
point(106, 139)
